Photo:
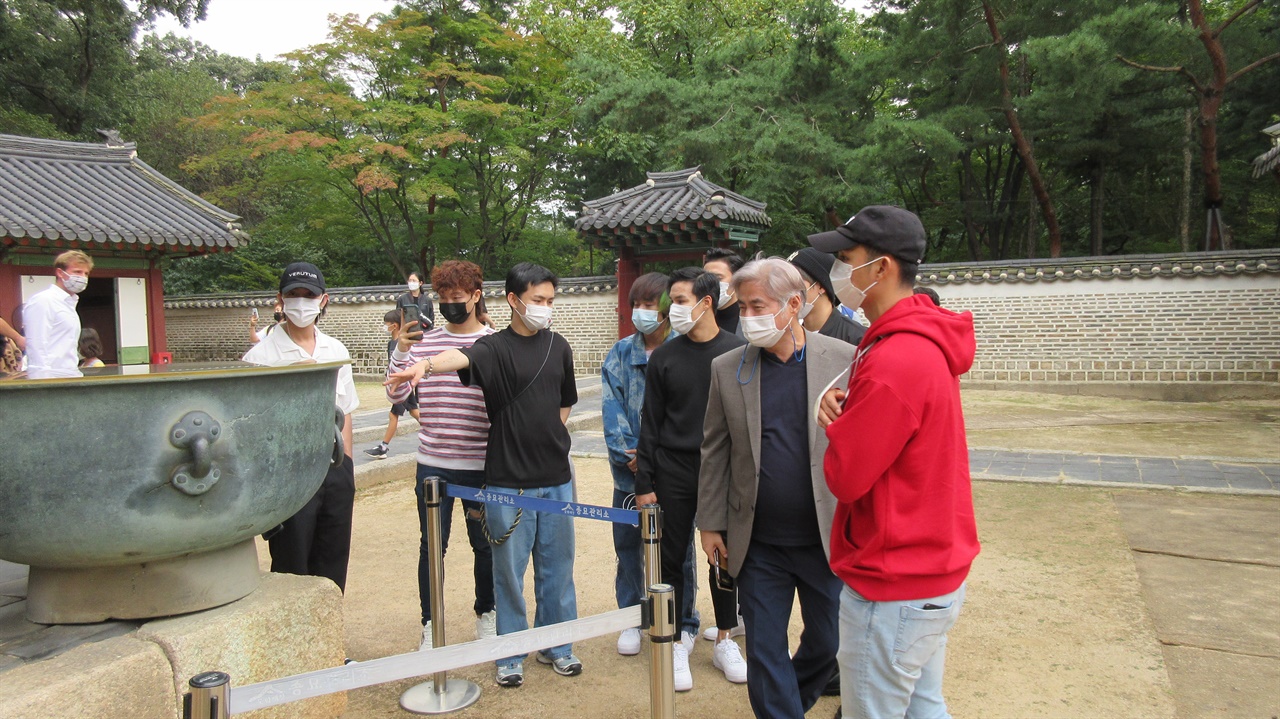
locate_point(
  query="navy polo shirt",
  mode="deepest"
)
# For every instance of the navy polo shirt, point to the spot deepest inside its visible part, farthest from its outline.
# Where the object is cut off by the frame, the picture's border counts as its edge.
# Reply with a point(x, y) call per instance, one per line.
point(785, 512)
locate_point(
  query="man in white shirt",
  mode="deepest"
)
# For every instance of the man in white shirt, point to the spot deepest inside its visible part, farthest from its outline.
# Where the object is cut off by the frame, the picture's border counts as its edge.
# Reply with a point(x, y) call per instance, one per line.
point(52, 325)
point(317, 540)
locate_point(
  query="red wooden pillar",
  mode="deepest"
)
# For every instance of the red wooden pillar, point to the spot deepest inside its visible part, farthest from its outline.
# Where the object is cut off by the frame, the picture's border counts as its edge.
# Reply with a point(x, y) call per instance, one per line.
point(628, 271)
point(155, 307)
point(10, 290)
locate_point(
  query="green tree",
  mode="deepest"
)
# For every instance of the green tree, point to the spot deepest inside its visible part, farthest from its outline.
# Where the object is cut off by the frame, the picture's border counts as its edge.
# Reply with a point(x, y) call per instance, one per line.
point(1209, 86)
point(430, 117)
point(66, 64)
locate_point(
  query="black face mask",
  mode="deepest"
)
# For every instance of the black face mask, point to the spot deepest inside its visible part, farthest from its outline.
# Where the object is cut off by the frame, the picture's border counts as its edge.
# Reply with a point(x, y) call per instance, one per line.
point(279, 317)
point(455, 313)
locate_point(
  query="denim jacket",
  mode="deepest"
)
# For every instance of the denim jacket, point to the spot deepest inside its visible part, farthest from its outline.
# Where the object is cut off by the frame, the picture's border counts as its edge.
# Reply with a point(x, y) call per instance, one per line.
point(622, 395)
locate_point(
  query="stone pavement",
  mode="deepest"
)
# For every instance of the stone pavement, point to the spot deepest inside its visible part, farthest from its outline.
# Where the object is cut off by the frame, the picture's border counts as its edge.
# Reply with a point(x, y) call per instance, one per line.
point(1235, 476)
point(1209, 566)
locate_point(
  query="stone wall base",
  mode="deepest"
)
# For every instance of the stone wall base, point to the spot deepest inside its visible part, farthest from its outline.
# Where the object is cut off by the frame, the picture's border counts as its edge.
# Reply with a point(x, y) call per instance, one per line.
point(1166, 391)
point(288, 626)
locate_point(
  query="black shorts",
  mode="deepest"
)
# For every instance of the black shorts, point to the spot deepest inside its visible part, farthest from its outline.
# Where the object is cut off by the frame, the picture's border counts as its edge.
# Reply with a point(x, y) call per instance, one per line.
point(408, 405)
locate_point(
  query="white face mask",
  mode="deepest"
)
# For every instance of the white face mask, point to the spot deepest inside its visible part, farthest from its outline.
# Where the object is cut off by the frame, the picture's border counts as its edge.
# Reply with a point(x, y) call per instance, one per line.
point(302, 311)
point(806, 306)
point(414, 285)
point(75, 284)
point(762, 330)
point(726, 298)
point(682, 319)
point(646, 321)
point(535, 317)
point(842, 282)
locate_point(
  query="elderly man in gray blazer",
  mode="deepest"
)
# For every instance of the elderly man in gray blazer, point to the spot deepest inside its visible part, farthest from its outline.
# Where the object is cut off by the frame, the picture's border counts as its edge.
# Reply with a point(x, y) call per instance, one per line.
point(763, 504)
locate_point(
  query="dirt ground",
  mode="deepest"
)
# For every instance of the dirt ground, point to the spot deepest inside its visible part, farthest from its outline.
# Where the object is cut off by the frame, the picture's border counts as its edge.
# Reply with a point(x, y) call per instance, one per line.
point(1240, 429)
point(1053, 625)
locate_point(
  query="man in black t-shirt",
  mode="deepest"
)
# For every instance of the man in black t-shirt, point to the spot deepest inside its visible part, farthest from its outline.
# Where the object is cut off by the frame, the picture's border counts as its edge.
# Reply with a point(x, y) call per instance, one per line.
point(723, 263)
point(677, 382)
point(823, 315)
point(526, 373)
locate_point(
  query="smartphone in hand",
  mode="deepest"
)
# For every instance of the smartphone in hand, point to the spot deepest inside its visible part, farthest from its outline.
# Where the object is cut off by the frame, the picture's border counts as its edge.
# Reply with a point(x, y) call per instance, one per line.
point(410, 314)
point(724, 581)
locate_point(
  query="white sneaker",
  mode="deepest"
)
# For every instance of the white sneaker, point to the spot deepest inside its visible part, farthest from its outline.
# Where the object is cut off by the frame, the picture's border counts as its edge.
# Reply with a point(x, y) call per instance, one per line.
point(689, 641)
point(680, 664)
point(728, 659)
point(629, 642)
point(712, 633)
point(487, 625)
point(426, 637)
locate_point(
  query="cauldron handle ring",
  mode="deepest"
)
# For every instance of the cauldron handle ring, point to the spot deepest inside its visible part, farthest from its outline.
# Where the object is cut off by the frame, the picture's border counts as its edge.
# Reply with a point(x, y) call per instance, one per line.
point(203, 458)
point(195, 432)
point(340, 420)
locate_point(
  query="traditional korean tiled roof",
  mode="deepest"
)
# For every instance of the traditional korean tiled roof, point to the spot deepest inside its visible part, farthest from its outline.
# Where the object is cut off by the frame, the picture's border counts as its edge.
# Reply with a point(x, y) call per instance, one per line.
point(85, 195)
point(1068, 269)
point(668, 197)
point(380, 293)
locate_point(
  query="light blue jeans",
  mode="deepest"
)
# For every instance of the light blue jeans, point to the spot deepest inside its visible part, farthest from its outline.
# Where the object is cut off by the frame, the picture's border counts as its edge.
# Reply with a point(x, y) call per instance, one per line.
point(548, 538)
point(629, 580)
point(892, 655)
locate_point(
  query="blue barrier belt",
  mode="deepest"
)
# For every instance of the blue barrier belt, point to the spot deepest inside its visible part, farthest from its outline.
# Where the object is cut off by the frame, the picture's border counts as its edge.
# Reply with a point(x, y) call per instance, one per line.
point(568, 509)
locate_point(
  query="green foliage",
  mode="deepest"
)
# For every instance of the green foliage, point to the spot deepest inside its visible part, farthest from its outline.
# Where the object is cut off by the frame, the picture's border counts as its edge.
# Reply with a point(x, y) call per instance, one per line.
point(444, 129)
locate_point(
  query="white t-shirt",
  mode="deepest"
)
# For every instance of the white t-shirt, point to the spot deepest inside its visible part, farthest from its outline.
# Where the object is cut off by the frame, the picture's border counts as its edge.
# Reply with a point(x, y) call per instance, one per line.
point(278, 349)
point(53, 333)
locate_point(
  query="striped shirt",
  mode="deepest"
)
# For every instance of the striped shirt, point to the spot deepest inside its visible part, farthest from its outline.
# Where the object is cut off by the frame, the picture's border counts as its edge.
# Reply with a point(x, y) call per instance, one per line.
point(455, 425)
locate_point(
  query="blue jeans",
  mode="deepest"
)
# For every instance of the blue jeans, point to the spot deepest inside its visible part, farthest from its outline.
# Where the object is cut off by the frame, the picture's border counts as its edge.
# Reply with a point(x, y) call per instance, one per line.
point(482, 567)
point(548, 538)
point(781, 686)
point(892, 655)
point(629, 579)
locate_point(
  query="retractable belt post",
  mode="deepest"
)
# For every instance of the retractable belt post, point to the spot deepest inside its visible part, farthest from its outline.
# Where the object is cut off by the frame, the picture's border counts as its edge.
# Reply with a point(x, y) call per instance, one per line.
point(659, 615)
point(441, 695)
point(651, 541)
point(208, 698)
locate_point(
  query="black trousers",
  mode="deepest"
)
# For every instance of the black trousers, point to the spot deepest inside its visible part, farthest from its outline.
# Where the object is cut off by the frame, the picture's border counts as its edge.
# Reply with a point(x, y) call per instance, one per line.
point(779, 685)
point(678, 495)
point(317, 540)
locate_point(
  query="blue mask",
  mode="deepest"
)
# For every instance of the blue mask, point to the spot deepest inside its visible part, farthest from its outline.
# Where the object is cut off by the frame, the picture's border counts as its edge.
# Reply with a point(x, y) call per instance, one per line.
point(646, 321)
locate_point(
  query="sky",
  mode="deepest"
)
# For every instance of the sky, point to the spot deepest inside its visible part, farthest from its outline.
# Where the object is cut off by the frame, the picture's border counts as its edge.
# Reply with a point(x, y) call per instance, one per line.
point(269, 28)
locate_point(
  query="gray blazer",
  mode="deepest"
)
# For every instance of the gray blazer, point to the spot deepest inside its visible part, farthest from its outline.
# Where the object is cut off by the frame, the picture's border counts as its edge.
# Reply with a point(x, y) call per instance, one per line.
point(730, 469)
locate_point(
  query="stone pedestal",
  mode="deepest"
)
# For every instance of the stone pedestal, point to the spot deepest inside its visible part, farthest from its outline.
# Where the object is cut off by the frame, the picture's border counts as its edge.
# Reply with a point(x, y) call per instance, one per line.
point(290, 625)
point(188, 583)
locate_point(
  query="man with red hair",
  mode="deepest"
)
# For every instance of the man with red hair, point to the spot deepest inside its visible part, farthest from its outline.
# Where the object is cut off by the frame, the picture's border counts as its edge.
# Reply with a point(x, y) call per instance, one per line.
point(455, 430)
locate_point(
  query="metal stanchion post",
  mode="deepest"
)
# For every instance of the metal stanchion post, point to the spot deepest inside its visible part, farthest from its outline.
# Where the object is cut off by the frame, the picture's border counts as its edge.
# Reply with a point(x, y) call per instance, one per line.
point(651, 541)
point(662, 635)
point(441, 695)
point(661, 616)
point(208, 697)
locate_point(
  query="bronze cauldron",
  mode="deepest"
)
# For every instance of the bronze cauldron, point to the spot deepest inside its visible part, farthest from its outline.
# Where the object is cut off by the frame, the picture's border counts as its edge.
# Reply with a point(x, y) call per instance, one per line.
point(136, 492)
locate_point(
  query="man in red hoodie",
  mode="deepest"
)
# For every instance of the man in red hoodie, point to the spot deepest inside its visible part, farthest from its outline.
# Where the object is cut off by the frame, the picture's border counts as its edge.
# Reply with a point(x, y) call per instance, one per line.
point(904, 533)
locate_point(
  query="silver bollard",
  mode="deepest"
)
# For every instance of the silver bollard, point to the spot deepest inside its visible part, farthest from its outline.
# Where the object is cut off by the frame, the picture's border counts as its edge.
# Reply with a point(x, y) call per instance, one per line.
point(662, 636)
point(441, 695)
point(651, 542)
point(208, 698)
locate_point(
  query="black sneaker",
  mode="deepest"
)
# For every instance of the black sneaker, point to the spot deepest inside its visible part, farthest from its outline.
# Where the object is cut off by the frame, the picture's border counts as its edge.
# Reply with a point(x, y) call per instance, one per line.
point(378, 452)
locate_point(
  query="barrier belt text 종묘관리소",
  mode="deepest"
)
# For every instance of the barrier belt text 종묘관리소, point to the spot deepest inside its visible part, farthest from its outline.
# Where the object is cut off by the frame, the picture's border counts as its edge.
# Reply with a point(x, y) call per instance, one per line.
point(568, 509)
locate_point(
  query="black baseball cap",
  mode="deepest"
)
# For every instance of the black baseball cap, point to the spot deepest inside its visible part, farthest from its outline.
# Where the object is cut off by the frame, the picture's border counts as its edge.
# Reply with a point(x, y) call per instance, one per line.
point(817, 265)
point(886, 228)
point(302, 274)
